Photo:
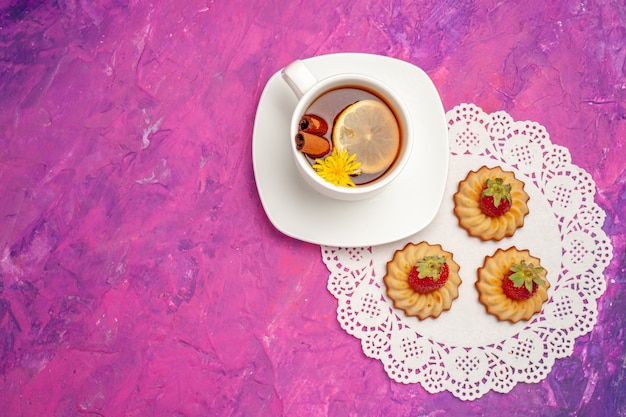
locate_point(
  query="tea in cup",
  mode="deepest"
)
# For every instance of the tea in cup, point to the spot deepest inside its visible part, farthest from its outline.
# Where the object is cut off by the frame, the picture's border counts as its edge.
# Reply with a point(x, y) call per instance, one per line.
point(351, 134)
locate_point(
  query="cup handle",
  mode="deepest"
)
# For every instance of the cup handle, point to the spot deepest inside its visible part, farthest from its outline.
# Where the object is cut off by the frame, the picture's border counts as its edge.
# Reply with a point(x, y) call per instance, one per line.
point(299, 78)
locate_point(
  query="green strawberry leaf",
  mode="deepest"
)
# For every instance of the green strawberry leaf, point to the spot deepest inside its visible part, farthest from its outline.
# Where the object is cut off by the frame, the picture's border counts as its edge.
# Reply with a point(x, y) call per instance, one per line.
point(430, 266)
point(526, 274)
point(498, 190)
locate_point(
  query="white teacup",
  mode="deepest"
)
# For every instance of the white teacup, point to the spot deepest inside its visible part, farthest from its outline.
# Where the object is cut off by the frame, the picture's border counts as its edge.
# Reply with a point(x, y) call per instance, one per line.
point(307, 89)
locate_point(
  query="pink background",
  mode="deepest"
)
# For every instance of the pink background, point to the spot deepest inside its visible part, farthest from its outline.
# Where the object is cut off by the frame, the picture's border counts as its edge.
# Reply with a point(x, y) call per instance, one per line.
point(139, 274)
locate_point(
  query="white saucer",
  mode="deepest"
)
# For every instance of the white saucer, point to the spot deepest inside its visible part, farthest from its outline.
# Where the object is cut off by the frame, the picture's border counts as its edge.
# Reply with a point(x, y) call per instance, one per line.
point(400, 211)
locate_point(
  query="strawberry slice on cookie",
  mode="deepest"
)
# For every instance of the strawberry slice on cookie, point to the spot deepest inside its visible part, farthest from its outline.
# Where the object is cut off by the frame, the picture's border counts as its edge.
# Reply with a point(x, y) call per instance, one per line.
point(429, 274)
point(495, 198)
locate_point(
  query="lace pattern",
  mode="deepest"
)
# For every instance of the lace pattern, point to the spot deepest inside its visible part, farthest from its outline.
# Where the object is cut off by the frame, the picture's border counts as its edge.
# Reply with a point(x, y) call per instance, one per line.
point(469, 359)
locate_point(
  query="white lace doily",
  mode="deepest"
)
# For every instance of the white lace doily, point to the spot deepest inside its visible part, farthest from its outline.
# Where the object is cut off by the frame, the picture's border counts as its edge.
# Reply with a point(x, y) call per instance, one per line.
point(467, 351)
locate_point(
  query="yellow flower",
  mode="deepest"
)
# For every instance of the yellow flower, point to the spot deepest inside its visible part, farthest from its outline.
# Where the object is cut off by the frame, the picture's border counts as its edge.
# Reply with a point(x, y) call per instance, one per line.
point(337, 167)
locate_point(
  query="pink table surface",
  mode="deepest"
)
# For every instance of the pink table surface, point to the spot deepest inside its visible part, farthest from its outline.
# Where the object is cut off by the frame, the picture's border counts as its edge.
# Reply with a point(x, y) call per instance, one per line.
point(139, 274)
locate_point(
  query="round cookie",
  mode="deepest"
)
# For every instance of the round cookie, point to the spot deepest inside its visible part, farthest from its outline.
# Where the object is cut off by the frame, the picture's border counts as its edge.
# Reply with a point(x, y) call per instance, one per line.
point(467, 205)
point(490, 286)
point(405, 297)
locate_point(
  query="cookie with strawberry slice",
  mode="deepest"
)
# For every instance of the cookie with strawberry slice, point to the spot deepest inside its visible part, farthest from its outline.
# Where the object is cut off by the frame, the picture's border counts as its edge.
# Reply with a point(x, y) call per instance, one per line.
point(491, 203)
point(512, 285)
point(422, 280)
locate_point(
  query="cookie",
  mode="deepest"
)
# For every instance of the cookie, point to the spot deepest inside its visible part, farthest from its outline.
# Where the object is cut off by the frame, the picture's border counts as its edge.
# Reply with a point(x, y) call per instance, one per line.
point(422, 280)
point(495, 216)
point(508, 301)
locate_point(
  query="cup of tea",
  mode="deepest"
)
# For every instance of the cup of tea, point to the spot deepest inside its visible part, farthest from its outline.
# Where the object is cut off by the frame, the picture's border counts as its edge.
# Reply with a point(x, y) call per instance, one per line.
point(351, 134)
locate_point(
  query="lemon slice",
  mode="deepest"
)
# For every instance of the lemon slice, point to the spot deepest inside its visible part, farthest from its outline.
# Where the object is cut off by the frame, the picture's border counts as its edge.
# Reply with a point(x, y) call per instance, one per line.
point(368, 128)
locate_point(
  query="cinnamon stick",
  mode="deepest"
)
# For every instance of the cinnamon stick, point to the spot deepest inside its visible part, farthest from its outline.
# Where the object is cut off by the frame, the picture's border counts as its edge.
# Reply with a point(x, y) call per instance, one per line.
point(312, 145)
point(311, 123)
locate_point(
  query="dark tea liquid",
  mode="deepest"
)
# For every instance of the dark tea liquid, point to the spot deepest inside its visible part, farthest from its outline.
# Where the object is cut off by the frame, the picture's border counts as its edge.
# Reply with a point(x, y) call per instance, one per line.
point(330, 104)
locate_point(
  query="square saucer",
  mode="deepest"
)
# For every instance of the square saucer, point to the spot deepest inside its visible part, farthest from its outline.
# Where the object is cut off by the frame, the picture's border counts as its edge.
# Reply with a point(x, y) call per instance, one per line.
point(403, 209)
